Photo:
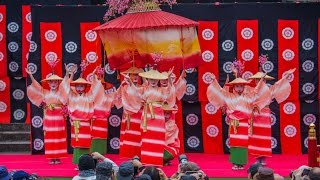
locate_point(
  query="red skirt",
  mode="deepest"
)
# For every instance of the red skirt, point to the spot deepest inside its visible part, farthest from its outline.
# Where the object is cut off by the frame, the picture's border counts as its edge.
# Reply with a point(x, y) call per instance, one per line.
point(82, 138)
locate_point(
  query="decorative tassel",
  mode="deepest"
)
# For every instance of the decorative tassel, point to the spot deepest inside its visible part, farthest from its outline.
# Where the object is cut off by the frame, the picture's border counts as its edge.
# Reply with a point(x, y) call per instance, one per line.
point(145, 111)
point(128, 121)
point(76, 125)
point(151, 111)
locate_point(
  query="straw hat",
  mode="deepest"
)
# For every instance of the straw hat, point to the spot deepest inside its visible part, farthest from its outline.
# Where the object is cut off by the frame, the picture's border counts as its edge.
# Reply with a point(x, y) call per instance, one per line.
point(53, 77)
point(238, 81)
point(259, 75)
point(153, 74)
point(80, 81)
point(165, 107)
point(132, 70)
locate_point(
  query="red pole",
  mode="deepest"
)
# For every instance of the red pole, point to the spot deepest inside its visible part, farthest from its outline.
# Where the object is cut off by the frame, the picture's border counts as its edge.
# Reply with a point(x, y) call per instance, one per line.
point(312, 147)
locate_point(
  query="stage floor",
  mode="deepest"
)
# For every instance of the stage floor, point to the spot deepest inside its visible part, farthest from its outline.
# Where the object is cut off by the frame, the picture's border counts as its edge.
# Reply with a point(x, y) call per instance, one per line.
point(215, 166)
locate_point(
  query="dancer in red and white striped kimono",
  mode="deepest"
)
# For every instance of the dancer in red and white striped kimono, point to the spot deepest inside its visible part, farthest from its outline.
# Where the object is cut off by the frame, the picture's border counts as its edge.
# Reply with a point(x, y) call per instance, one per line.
point(130, 134)
point(53, 102)
point(260, 139)
point(153, 122)
point(239, 107)
point(180, 86)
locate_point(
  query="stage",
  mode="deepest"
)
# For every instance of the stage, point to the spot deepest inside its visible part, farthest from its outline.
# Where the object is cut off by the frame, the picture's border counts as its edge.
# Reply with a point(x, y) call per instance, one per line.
point(215, 166)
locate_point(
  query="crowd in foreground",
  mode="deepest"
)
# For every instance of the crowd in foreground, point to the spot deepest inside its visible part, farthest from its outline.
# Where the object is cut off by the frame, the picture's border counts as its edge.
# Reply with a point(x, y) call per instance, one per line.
point(97, 167)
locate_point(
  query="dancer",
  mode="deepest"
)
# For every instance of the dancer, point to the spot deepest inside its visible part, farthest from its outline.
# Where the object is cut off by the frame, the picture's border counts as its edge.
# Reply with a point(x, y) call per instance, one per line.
point(180, 86)
point(172, 142)
point(53, 102)
point(239, 107)
point(153, 124)
point(130, 134)
point(102, 109)
point(260, 139)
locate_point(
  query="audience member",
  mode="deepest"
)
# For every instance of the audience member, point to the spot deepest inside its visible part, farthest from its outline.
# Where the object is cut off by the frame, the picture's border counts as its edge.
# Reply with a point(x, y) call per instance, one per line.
point(264, 174)
point(299, 173)
point(4, 174)
point(99, 157)
point(104, 171)
point(253, 170)
point(126, 171)
point(314, 173)
point(86, 168)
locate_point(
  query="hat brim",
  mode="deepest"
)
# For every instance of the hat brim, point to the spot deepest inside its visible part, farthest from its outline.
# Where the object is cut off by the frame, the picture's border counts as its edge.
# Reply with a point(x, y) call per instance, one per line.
point(75, 83)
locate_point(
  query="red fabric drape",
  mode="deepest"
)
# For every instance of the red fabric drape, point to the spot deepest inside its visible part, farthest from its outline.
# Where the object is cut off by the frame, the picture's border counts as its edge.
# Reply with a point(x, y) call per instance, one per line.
point(26, 36)
point(3, 47)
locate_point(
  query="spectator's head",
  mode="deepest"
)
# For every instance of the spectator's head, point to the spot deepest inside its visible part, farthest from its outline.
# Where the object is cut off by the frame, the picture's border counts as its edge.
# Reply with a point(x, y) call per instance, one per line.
point(143, 177)
point(20, 175)
point(126, 171)
point(86, 162)
point(137, 165)
point(300, 172)
point(187, 177)
point(189, 166)
point(253, 170)
point(153, 172)
point(264, 174)
point(314, 173)
point(4, 174)
point(104, 171)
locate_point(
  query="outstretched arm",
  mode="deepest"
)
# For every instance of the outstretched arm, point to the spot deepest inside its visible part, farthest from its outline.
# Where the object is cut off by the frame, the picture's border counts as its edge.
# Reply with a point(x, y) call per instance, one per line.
point(216, 94)
point(35, 90)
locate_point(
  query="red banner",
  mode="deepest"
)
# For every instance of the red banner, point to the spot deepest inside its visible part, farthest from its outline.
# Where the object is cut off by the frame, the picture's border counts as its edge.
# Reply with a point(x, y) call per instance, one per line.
point(5, 110)
point(288, 51)
point(51, 48)
point(26, 36)
point(247, 46)
point(90, 47)
point(3, 47)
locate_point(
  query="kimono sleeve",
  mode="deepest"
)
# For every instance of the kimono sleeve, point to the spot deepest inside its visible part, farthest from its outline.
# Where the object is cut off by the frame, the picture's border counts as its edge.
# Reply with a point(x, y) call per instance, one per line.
point(35, 93)
point(216, 95)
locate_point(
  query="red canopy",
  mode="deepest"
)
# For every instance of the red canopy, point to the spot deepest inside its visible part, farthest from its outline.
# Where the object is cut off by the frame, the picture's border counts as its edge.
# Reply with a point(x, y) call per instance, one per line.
point(145, 20)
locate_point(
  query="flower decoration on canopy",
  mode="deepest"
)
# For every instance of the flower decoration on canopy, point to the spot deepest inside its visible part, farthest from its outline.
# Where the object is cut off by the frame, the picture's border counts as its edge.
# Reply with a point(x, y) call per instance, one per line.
point(119, 7)
point(84, 64)
point(238, 67)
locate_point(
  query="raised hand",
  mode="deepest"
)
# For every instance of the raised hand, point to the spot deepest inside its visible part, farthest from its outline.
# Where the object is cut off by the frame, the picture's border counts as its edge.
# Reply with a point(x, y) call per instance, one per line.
point(27, 71)
point(170, 71)
point(212, 76)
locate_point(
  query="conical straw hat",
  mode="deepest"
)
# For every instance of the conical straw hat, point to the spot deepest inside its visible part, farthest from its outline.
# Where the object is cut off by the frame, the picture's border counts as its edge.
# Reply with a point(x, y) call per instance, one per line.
point(80, 81)
point(259, 75)
point(132, 70)
point(153, 74)
point(53, 77)
point(238, 81)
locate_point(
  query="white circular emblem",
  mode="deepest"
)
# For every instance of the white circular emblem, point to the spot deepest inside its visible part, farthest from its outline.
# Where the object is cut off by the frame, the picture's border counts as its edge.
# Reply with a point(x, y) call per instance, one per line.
point(13, 27)
point(1, 17)
point(228, 143)
point(111, 90)
point(13, 66)
point(192, 119)
point(29, 36)
point(18, 114)
point(309, 118)
point(268, 67)
point(207, 56)
point(267, 44)
point(32, 68)
point(207, 34)
point(13, 46)
point(308, 88)
point(273, 119)
point(288, 55)
point(309, 101)
point(191, 89)
point(28, 17)
point(274, 142)
point(108, 70)
point(247, 55)
point(70, 66)
point(307, 66)
point(212, 131)
point(246, 33)
point(90, 77)
point(51, 56)
point(18, 94)
point(206, 77)
point(305, 142)
point(115, 143)
point(2, 85)
point(38, 144)
point(290, 131)
point(289, 108)
point(114, 120)
point(33, 46)
point(3, 106)
point(193, 142)
point(1, 56)
point(227, 45)
point(50, 35)
point(307, 44)
point(246, 75)
point(1, 36)
point(189, 70)
point(210, 109)
point(91, 57)
point(91, 35)
point(227, 67)
point(71, 47)
point(287, 33)
point(226, 120)
point(37, 121)
point(290, 77)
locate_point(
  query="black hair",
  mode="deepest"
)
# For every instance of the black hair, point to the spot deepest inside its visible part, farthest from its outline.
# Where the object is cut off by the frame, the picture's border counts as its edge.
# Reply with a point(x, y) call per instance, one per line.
point(153, 172)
